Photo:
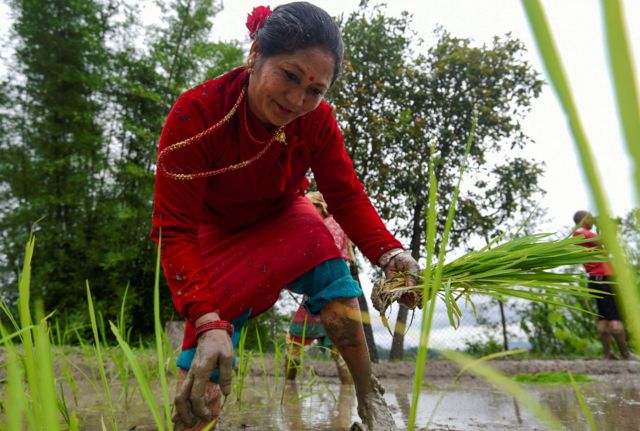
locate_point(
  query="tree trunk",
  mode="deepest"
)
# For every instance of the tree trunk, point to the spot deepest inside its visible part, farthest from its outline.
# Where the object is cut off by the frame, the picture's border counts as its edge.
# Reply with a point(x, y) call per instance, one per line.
point(504, 327)
point(364, 308)
point(397, 345)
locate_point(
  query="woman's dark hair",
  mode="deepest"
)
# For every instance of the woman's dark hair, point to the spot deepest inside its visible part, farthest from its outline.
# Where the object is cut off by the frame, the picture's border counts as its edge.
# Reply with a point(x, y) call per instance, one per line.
point(300, 25)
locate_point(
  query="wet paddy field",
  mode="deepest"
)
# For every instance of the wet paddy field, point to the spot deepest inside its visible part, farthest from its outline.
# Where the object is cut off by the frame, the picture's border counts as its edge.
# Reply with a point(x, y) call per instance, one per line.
point(317, 401)
point(614, 401)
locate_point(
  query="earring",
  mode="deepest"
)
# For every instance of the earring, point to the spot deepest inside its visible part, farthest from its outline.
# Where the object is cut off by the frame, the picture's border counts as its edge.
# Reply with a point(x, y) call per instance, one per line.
point(250, 67)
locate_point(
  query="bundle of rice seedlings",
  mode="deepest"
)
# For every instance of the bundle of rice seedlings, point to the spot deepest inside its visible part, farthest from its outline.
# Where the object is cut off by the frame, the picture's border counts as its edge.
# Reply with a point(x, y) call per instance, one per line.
point(524, 267)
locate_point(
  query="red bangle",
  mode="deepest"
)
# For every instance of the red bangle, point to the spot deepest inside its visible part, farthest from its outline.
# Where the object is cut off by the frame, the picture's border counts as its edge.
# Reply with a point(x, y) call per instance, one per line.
point(215, 324)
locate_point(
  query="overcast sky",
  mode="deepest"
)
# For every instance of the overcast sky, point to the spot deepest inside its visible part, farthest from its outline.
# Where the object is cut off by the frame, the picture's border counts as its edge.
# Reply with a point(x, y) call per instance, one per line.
point(577, 26)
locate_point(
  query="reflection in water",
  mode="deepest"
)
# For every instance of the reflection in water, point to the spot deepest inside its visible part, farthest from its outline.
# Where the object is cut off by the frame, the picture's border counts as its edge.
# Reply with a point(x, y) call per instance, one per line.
point(302, 412)
point(472, 405)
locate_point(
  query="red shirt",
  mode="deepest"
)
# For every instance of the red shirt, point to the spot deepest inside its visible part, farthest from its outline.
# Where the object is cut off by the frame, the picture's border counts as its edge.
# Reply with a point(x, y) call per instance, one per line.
point(594, 268)
point(234, 201)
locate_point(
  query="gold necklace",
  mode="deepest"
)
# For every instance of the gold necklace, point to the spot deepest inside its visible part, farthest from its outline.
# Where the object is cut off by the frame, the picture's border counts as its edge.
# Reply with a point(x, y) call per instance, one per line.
point(278, 136)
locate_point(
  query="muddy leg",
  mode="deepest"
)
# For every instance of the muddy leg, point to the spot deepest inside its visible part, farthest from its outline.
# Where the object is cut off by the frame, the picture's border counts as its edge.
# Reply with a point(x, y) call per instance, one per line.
point(292, 359)
point(617, 330)
point(341, 366)
point(213, 396)
point(605, 338)
point(342, 321)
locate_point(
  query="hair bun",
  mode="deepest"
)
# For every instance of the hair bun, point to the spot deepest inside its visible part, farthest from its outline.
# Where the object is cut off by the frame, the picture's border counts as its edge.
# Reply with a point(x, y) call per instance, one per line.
point(256, 19)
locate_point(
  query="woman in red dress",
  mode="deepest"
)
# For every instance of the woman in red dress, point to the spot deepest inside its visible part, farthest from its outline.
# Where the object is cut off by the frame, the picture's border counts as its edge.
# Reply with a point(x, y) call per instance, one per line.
point(230, 214)
point(304, 328)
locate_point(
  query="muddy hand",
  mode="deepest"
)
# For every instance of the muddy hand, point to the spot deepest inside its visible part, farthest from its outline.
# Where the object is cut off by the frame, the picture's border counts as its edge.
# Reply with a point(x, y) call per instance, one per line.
point(214, 350)
point(398, 260)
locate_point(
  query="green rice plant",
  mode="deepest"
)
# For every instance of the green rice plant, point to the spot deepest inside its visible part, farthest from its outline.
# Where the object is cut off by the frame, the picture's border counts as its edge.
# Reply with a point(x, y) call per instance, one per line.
point(277, 362)
point(24, 294)
point(624, 81)
point(520, 268)
point(69, 377)
point(429, 286)
point(14, 389)
point(627, 97)
point(583, 403)
point(100, 362)
point(9, 315)
point(244, 360)
point(160, 339)
point(141, 378)
point(37, 403)
point(263, 364)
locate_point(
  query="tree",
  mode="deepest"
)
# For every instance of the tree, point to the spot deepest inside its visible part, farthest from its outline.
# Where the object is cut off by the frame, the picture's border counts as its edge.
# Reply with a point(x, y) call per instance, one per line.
point(630, 236)
point(55, 153)
point(86, 121)
point(395, 106)
point(145, 83)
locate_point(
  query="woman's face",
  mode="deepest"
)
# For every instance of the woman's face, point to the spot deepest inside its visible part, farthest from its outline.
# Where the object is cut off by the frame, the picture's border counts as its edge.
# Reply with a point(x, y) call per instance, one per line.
point(287, 86)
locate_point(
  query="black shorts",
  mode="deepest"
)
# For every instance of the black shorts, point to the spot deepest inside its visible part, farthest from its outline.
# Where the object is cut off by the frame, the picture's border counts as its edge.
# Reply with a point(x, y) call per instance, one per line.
point(607, 308)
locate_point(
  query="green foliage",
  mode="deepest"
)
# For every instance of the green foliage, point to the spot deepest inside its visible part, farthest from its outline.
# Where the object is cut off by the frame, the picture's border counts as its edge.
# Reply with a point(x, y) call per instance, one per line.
point(630, 236)
point(394, 105)
point(551, 377)
point(270, 327)
point(561, 330)
point(479, 348)
point(80, 126)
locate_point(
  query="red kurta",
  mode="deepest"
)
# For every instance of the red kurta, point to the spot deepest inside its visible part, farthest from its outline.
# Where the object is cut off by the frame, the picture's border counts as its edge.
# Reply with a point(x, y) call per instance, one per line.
point(232, 241)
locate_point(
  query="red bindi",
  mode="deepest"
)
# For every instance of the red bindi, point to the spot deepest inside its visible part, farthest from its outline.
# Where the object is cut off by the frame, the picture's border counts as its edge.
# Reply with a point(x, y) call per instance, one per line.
point(311, 78)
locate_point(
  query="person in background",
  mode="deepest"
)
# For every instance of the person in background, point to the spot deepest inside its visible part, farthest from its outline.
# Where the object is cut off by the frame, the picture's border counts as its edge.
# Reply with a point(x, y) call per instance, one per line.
point(600, 278)
point(305, 329)
point(232, 221)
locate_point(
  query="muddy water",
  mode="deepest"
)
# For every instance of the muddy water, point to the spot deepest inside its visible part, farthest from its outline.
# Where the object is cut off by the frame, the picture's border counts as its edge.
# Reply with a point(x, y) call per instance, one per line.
point(325, 405)
point(471, 405)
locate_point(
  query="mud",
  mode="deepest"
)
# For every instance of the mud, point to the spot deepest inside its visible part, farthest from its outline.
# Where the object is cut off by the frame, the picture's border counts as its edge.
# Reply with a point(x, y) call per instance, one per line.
point(614, 401)
point(317, 401)
point(445, 369)
point(374, 411)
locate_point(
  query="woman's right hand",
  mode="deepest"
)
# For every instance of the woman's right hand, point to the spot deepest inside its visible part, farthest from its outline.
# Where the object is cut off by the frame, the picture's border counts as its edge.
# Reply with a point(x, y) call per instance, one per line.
point(214, 350)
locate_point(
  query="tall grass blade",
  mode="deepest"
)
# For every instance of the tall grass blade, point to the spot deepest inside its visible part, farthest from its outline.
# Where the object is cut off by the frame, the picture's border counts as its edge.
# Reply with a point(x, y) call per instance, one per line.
point(46, 376)
point(496, 378)
point(625, 276)
point(14, 389)
point(435, 287)
point(98, 352)
point(24, 299)
point(9, 315)
point(624, 80)
point(143, 383)
point(162, 372)
point(428, 298)
point(583, 403)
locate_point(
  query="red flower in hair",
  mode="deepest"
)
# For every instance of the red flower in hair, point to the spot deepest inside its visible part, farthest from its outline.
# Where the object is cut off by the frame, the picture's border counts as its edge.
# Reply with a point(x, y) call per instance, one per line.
point(256, 19)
